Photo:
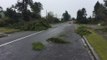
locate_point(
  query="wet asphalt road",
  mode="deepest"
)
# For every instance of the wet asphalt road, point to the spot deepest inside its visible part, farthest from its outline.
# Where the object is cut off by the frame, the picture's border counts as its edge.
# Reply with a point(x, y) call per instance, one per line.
point(22, 50)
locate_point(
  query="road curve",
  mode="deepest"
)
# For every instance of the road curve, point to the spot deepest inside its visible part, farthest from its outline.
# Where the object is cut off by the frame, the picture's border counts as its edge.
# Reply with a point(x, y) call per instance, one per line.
point(22, 48)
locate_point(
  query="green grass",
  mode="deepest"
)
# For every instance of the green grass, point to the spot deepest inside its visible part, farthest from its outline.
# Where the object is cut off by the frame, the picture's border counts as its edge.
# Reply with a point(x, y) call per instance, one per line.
point(7, 30)
point(57, 40)
point(99, 44)
point(38, 46)
point(102, 29)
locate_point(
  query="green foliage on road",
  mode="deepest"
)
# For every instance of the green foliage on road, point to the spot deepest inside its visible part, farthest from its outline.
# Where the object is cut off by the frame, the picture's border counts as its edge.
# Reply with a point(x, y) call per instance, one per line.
point(99, 44)
point(82, 30)
point(37, 46)
point(57, 40)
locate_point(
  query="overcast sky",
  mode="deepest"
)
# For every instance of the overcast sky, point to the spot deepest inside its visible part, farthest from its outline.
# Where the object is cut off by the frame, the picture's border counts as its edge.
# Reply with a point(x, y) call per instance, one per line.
point(59, 6)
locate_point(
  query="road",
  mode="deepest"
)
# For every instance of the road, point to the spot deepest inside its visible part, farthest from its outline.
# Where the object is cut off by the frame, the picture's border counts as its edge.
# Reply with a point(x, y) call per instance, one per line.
point(18, 46)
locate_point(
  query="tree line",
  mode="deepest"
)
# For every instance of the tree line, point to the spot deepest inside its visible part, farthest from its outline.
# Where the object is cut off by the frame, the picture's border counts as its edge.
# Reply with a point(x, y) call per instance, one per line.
point(99, 14)
point(26, 12)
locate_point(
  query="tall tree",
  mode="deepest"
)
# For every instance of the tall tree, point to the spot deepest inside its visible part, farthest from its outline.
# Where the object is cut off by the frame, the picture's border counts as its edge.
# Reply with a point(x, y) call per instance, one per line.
point(99, 11)
point(96, 10)
point(33, 12)
point(66, 16)
point(22, 6)
point(82, 16)
point(97, 6)
point(36, 9)
point(105, 3)
point(12, 14)
point(1, 9)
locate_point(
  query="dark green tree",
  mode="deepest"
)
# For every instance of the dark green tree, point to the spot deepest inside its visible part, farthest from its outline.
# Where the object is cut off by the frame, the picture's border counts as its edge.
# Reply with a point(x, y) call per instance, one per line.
point(33, 12)
point(105, 3)
point(97, 6)
point(82, 16)
point(36, 9)
point(96, 10)
point(22, 6)
point(1, 9)
point(66, 16)
point(11, 14)
point(99, 12)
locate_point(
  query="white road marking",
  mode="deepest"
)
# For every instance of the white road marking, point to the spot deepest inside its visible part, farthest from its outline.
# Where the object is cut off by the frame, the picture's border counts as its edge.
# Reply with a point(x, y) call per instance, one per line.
point(19, 39)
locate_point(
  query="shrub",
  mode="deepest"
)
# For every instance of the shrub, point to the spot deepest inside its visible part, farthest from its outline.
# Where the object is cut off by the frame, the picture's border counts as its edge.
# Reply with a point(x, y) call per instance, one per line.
point(82, 30)
point(57, 40)
point(6, 22)
point(32, 25)
point(37, 46)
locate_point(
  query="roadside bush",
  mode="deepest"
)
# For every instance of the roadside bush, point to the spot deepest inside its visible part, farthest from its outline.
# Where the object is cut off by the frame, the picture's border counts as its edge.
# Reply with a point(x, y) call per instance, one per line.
point(34, 25)
point(31, 25)
point(37, 46)
point(57, 40)
point(82, 30)
point(6, 22)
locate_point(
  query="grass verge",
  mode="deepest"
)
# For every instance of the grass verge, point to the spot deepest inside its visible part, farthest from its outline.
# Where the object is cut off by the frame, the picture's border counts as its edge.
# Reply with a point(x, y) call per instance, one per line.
point(99, 44)
point(57, 40)
point(38, 46)
point(8, 30)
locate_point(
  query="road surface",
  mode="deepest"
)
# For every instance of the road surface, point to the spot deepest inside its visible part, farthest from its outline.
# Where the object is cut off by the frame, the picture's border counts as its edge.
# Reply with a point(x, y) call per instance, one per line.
point(18, 46)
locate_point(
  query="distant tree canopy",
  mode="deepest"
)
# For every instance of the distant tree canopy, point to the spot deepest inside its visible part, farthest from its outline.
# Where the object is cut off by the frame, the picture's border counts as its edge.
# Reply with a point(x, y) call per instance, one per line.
point(51, 18)
point(82, 16)
point(66, 16)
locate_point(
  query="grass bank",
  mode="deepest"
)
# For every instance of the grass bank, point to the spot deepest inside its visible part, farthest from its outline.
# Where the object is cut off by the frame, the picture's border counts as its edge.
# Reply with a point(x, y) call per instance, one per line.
point(99, 44)
point(8, 30)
